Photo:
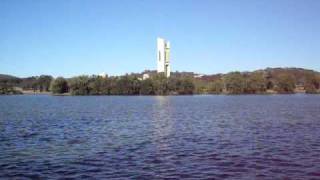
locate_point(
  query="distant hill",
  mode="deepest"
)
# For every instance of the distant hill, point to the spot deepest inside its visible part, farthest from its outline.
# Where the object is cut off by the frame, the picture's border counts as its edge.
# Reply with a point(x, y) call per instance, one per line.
point(298, 73)
point(34, 83)
point(7, 77)
point(9, 80)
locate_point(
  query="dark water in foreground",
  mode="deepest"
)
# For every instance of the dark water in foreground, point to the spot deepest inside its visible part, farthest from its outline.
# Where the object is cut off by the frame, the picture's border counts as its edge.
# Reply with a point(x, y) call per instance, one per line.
point(236, 137)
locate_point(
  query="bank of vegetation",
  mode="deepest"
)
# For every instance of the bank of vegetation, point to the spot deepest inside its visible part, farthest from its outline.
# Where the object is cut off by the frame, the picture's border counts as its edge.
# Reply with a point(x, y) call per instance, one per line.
point(14, 85)
point(123, 85)
point(271, 80)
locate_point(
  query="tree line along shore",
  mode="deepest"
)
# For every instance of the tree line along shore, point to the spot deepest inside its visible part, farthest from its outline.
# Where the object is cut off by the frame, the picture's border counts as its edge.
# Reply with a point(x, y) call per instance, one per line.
point(267, 81)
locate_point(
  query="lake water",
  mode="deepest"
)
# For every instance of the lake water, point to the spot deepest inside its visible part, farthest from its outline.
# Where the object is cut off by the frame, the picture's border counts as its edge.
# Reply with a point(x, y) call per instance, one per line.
point(141, 137)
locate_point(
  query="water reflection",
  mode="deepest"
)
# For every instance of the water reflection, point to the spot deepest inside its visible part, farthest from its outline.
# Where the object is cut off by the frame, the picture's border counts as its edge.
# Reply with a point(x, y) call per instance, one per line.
point(162, 122)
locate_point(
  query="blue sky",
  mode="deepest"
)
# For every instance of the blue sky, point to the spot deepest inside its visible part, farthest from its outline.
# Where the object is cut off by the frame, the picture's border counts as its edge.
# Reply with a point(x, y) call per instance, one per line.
point(67, 38)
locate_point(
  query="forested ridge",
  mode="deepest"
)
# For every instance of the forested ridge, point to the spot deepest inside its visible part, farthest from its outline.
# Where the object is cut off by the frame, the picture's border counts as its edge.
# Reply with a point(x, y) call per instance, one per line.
point(270, 80)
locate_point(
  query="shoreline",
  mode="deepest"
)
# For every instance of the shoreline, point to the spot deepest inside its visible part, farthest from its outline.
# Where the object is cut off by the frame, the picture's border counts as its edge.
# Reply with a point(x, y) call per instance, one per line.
point(205, 94)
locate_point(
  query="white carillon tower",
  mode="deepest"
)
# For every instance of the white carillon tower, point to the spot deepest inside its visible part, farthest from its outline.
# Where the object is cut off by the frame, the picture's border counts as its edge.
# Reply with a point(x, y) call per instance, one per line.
point(163, 56)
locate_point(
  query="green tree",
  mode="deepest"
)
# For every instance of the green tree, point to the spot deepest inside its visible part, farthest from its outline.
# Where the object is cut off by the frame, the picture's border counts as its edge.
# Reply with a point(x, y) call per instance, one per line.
point(79, 85)
point(59, 86)
point(256, 83)
point(312, 83)
point(5, 88)
point(135, 85)
point(270, 84)
point(146, 87)
point(201, 86)
point(160, 84)
point(113, 86)
point(128, 85)
point(285, 83)
point(216, 87)
point(185, 86)
point(123, 85)
point(235, 83)
point(43, 82)
point(96, 85)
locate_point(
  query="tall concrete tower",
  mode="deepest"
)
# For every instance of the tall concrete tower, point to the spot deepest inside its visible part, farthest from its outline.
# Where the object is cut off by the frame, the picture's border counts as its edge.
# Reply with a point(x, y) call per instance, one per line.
point(163, 56)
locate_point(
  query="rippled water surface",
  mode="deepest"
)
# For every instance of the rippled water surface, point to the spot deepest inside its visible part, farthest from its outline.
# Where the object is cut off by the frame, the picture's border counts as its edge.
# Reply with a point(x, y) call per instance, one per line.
point(216, 137)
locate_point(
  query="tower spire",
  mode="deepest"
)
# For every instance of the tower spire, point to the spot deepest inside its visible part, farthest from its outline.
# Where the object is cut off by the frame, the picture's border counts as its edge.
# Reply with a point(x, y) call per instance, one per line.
point(163, 56)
